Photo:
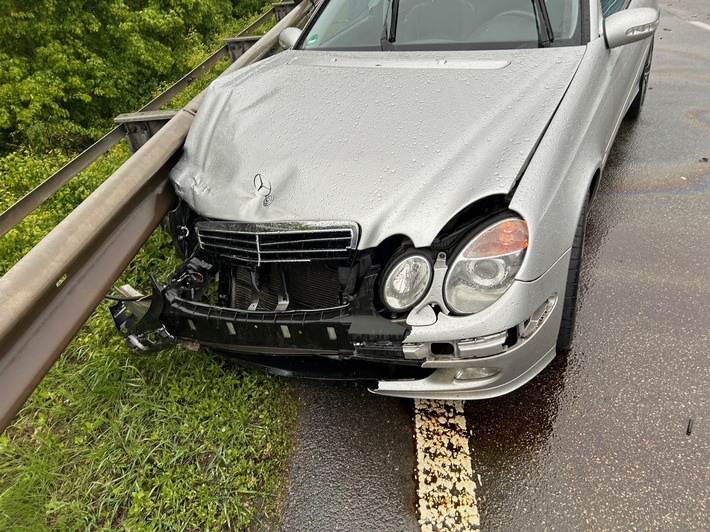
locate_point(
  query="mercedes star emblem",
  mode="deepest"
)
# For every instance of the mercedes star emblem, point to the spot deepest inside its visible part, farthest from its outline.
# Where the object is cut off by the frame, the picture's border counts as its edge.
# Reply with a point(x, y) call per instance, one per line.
point(263, 188)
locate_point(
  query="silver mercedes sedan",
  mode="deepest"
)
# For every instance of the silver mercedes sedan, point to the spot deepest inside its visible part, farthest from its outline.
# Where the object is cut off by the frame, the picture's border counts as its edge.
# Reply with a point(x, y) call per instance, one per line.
point(401, 195)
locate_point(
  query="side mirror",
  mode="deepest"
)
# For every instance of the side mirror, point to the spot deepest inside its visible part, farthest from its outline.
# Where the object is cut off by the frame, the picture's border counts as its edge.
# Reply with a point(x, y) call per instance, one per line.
point(289, 37)
point(630, 25)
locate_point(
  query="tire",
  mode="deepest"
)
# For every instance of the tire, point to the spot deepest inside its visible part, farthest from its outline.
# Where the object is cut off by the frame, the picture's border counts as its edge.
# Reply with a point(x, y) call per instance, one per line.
point(636, 106)
point(569, 308)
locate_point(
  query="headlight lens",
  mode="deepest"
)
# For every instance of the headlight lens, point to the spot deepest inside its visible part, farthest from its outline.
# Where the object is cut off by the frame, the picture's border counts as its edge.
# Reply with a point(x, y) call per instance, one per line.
point(405, 282)
point(486, 266)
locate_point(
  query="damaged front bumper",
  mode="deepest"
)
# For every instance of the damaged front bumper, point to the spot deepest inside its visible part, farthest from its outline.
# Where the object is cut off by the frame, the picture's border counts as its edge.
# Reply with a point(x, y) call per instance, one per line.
point(305, 343)
point(456, 357)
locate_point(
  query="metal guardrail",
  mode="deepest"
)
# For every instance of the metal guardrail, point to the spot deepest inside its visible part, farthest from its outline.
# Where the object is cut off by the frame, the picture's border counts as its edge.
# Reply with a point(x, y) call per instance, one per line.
point(48, 295)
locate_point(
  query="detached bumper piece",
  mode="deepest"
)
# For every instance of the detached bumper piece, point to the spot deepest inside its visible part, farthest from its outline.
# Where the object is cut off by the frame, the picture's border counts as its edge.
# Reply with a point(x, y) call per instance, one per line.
point(139, 322)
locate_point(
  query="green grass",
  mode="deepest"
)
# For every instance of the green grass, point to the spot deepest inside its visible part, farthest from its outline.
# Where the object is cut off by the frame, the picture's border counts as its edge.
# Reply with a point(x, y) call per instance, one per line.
point(168, 441)
point(112, 439)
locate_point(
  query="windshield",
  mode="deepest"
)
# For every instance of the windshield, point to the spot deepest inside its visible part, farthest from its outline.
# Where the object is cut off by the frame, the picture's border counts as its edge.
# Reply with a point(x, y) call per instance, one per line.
point(439, 24)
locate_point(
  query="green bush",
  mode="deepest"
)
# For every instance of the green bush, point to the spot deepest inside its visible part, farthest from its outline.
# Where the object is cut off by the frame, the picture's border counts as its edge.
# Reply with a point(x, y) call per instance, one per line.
point(68, 67)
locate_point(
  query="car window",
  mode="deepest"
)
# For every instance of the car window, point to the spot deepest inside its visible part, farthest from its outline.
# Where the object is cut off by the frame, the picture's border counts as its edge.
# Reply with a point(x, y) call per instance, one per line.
point(434, 24)
point(612, 6)
point(564, 17)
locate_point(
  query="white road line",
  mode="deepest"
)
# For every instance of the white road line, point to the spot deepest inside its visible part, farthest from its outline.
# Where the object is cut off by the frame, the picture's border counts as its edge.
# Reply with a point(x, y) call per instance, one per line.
point(700, 24)
point(447, 491)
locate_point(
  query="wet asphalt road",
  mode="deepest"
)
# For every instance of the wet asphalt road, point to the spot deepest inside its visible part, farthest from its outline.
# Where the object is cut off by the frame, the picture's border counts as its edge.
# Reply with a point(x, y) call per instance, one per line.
point(354, 467)
point(599, 440)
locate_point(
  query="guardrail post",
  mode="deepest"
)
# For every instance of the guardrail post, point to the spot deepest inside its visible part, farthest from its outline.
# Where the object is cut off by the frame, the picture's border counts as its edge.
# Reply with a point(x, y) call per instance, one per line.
point(141, 126)
point(236, 46)
point(282, 9)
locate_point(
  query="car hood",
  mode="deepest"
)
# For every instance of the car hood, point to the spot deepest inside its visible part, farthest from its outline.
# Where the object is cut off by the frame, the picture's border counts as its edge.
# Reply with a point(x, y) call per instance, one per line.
point(398, 142)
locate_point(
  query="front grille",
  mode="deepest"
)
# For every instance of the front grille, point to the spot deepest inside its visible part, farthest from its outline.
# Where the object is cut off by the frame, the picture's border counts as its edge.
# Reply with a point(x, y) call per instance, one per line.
point(248, 243)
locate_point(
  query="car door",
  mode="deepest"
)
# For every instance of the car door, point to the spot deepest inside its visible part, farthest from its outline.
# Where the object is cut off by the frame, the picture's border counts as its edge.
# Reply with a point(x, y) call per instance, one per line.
point(623, 68)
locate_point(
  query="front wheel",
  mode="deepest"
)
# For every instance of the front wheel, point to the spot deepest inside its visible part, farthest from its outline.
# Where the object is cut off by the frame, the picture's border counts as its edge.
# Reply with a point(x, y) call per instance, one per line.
point(569, 308)
point(636, 106)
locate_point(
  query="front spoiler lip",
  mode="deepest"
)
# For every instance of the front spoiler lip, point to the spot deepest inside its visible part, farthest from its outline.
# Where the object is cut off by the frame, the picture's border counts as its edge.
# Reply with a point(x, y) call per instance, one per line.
point(442, 384)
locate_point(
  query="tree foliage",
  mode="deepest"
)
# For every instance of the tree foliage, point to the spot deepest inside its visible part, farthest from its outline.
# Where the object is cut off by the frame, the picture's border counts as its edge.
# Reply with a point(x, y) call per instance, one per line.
point(67, 67)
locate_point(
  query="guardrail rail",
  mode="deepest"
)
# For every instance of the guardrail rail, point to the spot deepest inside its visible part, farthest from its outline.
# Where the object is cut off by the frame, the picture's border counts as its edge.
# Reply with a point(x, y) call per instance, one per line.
point(50, 293)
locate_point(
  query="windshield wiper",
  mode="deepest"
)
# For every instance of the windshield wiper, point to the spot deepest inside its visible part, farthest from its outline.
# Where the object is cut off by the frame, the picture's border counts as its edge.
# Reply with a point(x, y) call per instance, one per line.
point(389, 34)
point(545, 35)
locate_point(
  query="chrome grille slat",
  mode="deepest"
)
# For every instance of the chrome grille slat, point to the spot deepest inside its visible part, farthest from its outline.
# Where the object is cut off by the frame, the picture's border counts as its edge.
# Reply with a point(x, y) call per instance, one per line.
point(345, 239)
point(311, 250)
point(227, 247)
point(215, 238)
point(278, 242)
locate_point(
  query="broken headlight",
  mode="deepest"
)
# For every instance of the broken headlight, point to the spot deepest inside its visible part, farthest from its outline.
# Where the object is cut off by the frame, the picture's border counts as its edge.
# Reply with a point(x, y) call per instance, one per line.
point(485, 266)
point(405, 281)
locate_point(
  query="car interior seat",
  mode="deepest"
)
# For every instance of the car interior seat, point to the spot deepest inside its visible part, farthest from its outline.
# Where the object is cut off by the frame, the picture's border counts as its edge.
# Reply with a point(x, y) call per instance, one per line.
point(437, 20)
point(506, 21)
